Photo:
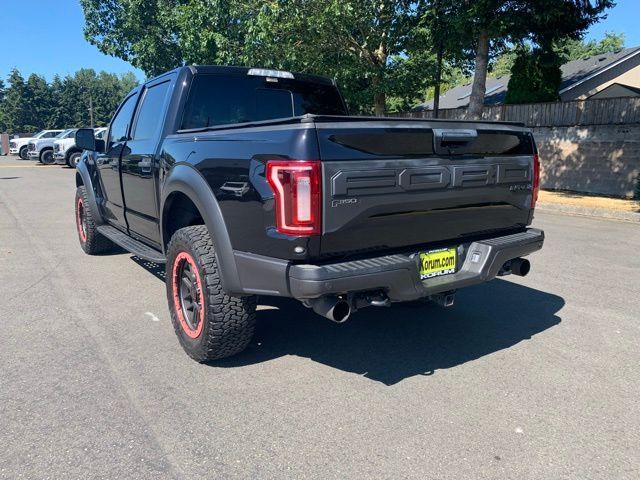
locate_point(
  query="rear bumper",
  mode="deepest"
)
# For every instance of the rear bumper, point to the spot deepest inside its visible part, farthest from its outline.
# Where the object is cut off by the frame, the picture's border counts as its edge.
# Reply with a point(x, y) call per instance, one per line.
point(397, 275)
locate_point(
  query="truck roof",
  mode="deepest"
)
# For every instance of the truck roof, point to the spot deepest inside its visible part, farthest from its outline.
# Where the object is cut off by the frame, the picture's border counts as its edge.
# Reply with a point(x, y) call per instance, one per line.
point(231, 70)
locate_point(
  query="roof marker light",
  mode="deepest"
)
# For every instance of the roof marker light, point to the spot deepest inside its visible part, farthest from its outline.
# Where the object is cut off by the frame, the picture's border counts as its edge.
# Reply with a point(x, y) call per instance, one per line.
point(263, 72)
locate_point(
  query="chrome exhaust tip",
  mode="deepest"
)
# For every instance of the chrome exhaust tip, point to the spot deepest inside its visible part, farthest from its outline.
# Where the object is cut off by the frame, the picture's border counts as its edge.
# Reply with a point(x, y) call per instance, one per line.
point(331, 307)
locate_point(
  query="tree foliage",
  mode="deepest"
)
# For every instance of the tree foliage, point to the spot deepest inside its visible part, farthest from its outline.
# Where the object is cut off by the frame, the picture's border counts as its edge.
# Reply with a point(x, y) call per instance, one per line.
point(487, 27)
point(373, 49)
point(567, 49)
point(535, 77)
point(576, 49)
point(34, 104)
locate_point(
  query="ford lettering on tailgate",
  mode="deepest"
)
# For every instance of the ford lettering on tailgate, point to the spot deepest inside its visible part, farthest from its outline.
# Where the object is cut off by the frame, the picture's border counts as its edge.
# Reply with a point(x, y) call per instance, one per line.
point(387, 181)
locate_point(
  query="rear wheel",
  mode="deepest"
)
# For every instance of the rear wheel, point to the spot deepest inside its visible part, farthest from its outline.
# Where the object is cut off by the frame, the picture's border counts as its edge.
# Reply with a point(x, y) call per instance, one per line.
point(209, 323)
point(91, 241)
point(24, 153)
point(46, 157)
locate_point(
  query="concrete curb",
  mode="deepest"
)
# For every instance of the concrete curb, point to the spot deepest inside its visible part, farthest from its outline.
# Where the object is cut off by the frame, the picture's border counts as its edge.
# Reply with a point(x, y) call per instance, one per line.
point(589, 211)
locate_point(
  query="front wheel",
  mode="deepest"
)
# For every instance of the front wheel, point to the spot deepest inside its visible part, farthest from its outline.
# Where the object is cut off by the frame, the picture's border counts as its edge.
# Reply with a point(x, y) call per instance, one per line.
point(46, 157)
point(91, 241)
point(209, 323)
point(74, 159)
point(24, 153)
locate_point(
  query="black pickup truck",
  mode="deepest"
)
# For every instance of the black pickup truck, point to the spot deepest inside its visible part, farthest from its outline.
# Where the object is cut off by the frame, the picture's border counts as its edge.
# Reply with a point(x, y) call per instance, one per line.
point(250, 182)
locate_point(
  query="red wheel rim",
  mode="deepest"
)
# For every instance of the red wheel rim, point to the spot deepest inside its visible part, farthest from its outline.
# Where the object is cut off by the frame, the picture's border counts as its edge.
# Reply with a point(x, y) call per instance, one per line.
point(81, 220)
point(188, 294)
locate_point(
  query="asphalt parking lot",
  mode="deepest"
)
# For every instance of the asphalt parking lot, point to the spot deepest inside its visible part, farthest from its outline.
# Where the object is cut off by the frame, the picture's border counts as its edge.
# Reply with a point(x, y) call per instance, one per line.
point(535, 377)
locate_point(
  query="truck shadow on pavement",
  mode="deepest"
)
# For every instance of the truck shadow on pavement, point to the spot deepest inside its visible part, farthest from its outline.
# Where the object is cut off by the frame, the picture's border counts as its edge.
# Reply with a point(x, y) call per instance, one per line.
point(389, 345)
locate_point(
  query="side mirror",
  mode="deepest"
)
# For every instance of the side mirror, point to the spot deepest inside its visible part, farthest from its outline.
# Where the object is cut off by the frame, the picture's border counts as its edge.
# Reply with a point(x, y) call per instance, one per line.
point(85, 139)
point(100, 145)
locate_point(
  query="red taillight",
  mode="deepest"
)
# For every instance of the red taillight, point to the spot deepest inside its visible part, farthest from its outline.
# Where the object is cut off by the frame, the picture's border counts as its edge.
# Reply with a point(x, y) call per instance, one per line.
point(296, 185)
point(536, 180)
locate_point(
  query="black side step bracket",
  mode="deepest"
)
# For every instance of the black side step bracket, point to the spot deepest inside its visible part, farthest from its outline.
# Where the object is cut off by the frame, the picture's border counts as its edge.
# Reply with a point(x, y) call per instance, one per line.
point(131, 244)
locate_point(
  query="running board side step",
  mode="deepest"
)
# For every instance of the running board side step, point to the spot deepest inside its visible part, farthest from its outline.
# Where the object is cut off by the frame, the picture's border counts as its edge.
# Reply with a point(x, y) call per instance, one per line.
point(131, 244)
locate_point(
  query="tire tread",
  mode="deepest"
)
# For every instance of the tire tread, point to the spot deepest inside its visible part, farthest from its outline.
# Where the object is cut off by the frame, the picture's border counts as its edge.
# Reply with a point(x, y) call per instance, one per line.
point(96, 242)
point(230, 320)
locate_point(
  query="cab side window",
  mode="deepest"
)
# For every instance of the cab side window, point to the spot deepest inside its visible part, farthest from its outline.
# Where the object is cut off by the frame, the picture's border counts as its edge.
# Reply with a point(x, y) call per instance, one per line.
point(122, 120)
point(150, 114)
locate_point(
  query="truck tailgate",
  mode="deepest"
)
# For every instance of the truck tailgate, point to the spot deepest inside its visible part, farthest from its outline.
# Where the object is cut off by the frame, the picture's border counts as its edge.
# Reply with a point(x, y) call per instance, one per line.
point(398, 183)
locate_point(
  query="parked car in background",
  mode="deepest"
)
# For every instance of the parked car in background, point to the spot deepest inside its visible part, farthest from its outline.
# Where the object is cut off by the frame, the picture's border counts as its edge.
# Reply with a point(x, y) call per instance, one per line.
point(66, 152)
point(42, 148)
point(19, 146)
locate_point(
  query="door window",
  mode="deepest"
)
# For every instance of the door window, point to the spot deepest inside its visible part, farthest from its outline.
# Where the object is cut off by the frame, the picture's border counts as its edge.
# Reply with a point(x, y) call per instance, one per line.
point(151, 112)
point(120, 123)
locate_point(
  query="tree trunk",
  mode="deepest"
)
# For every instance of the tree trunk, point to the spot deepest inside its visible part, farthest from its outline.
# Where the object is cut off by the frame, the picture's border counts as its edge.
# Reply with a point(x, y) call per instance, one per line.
point(476, 102)
point(436, 88)
point(380, 104)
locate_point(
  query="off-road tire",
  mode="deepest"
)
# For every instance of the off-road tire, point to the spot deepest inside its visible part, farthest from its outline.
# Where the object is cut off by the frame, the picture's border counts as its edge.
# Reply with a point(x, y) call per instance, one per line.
point(46, 156)
point(74, 159)
point(228, 322)
point(91, 241)
point(24, 153)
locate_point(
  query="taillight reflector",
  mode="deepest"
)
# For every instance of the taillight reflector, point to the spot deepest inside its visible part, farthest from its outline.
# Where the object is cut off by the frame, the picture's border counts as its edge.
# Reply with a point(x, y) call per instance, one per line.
point(296, 186)
point(536, 180)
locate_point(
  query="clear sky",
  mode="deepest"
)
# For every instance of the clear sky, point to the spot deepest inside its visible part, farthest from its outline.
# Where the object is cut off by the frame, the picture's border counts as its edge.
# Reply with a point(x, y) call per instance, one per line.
point(45, 37)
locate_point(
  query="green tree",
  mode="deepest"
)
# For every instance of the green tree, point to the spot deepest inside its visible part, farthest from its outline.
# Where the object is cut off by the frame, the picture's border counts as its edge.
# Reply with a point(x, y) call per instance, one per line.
point(568, 49)
point(492, 24)
point(3, 120)
point(576, 49)
point(372, 48)
point(15, 115)
point(536, 73)
point(37, 103)
point(57, 114)
point(158, 35)
point(535, 77)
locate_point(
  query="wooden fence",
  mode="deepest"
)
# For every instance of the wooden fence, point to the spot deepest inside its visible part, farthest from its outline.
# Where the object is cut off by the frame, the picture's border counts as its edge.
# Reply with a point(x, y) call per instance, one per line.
point(605, 111)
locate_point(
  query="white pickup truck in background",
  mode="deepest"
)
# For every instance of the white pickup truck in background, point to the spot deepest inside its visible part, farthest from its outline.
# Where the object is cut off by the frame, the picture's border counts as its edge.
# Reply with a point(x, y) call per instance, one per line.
point(66, 152)
point(42, 148)
point(19, 146)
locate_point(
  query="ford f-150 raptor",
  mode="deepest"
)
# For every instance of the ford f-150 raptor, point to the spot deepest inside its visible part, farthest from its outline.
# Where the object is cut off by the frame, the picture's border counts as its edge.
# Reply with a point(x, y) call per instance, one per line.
point(249, 182)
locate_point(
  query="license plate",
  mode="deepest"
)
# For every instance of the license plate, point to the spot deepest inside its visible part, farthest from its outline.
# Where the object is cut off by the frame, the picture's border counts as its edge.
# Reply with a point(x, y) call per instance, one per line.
point(438, 262)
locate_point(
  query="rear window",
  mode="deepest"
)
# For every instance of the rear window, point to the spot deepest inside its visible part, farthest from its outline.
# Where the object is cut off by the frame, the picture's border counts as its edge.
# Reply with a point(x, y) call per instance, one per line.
point(224, 99)
point(339, 143)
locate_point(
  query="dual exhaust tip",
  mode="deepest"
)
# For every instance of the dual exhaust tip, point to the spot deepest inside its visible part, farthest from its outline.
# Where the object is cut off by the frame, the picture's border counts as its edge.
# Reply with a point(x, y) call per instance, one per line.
point(338, 309)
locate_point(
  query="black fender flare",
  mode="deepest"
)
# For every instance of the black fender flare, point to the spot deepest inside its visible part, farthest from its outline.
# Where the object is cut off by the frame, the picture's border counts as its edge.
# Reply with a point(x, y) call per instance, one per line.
point(185, 179)
point(85, 179)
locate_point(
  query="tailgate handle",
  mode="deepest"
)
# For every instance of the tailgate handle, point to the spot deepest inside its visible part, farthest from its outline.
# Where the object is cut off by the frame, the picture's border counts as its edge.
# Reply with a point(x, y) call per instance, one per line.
point(446, 142)
point(445, 137)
